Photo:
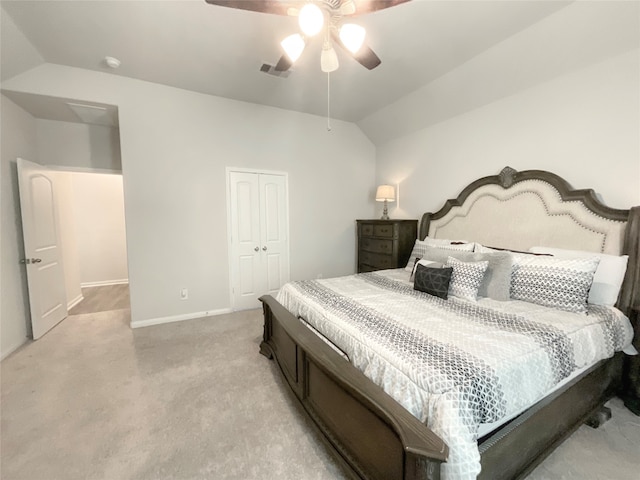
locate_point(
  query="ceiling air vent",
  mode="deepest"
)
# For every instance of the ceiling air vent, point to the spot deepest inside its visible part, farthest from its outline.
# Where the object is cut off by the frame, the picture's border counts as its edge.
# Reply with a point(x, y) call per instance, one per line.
point(270, 70)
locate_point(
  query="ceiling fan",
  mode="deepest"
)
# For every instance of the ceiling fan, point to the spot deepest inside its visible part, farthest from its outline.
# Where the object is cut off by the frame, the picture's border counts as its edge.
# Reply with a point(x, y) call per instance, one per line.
point(320, 17)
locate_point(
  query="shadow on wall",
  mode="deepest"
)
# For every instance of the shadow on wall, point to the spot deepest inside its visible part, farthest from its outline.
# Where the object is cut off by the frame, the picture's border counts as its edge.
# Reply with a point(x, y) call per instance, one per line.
point(105, 147)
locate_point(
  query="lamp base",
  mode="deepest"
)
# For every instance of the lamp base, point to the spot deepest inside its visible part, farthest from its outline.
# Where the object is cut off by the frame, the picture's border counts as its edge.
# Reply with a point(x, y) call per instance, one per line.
point(385, 212)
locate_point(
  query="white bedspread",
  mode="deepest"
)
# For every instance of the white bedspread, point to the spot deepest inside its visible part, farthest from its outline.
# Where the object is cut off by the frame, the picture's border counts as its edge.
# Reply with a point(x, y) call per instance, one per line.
point(454, 364)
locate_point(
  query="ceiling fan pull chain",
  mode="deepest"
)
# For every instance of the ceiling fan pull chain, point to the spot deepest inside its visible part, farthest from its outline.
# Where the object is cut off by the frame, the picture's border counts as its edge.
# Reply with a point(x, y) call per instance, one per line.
point(328, 102)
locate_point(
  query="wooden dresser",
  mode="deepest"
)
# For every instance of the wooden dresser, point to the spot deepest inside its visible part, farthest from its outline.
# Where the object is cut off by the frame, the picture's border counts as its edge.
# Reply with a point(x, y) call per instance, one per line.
point(385, 244)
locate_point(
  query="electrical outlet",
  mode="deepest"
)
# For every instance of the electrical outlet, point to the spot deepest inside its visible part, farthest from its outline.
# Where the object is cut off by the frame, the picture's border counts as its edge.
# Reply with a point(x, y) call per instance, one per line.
point(184, 293)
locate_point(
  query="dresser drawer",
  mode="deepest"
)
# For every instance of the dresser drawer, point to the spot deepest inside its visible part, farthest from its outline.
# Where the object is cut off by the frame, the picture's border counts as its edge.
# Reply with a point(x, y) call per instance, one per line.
point(377, 260)
point(366, 229)
point(376, 245)
point(383, 231)
point(364, 268)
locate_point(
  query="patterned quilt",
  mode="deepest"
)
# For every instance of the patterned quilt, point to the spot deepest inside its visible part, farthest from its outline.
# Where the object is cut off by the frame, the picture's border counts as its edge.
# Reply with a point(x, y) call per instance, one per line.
point(454, 364)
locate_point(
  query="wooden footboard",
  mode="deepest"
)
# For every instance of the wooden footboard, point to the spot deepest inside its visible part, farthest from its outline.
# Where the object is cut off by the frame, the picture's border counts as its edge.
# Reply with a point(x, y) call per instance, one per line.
point(514, 450)
point(372, 434)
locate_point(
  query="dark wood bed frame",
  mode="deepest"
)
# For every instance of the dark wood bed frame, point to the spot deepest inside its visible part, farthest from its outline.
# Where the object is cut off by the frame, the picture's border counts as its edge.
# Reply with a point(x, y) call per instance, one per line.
point(373, 437)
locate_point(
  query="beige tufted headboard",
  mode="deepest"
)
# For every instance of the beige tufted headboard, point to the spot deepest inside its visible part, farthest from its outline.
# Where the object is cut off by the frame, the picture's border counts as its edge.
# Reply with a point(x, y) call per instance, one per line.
point(519, 210)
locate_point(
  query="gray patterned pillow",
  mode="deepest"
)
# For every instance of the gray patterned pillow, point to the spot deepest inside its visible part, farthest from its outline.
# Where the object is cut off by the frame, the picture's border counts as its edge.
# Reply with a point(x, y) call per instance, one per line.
point(426, 263)
point(466, 278)
point(434, 281)
point(558, 283)
point(497, 279)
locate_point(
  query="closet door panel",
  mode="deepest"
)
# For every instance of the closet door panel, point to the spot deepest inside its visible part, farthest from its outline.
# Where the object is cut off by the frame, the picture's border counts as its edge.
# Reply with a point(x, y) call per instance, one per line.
point(259, 246)
point(246, 262)
point(274, 226)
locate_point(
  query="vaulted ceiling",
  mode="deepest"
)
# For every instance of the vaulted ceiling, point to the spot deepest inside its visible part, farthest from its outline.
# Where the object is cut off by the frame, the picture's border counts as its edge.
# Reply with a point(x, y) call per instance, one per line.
point(219, 51)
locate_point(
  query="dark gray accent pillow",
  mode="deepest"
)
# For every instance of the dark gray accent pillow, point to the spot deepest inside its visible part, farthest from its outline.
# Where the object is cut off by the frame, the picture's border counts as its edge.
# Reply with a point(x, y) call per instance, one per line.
point(496, 283)
point(434, 281)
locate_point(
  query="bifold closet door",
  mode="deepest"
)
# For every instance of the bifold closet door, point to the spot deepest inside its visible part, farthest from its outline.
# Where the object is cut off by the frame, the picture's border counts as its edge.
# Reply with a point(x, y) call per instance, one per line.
point(259, 246)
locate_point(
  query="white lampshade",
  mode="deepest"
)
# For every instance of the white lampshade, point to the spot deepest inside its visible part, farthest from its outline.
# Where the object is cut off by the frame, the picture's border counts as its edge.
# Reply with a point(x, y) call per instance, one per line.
point(328, 59)
point(352, 36)
point(385, 192)
point(311, 19)
point(293, 46)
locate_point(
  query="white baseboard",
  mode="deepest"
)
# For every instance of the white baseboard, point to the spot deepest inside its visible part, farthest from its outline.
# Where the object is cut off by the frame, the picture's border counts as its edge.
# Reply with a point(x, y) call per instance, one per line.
point(12, 349)
point(179, 318)
point(74, 302)
point(105, 283)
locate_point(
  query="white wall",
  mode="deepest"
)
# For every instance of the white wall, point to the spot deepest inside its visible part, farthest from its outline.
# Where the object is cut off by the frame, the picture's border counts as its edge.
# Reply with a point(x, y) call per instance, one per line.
point(577, 36)
point(583, 125)
point(175, 146)
point(98, 222)
point(66, 204)
point(17, 139)
point(78, 145)
point(16, 51)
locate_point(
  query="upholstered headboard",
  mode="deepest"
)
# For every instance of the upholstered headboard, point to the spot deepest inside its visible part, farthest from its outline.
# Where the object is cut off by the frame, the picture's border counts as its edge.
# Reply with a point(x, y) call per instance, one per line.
point(519, 210)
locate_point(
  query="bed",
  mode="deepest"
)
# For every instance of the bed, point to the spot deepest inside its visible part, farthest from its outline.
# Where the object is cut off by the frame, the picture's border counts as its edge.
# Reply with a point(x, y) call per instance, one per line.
point(372, 434)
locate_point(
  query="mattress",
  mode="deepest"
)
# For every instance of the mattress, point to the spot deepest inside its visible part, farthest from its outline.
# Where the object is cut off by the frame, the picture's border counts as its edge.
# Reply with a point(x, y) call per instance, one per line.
point(454, 364)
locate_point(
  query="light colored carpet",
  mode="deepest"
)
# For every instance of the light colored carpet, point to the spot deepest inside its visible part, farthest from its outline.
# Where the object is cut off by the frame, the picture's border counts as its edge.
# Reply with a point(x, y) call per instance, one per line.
point(94, 399)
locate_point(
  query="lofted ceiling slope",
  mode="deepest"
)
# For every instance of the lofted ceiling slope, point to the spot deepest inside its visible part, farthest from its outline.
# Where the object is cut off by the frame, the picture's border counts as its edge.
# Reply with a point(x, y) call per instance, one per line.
point(219, 51)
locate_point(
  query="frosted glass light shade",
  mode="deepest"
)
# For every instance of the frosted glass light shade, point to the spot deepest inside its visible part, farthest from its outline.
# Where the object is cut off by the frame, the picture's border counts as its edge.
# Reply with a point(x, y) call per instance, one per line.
point(348, 7)
point(386, 192)
point(352, 36)
point(293, 46)
point(310, 19)
point(328, 59)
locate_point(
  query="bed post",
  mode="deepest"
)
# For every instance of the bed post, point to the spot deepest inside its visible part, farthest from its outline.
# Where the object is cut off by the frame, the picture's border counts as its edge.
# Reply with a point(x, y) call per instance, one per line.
point(630, 293)
point(265, 348)
point(629, 302)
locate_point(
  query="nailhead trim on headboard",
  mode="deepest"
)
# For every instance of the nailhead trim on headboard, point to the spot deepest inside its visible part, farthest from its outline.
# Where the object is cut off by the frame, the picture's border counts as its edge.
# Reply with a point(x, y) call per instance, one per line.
point(608, 223)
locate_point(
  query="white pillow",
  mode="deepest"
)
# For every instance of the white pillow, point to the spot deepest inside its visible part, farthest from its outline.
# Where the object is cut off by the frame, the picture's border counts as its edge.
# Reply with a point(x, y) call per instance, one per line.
point(436, 242)
point(466, 278)
point(419, 248)
point(608, 277)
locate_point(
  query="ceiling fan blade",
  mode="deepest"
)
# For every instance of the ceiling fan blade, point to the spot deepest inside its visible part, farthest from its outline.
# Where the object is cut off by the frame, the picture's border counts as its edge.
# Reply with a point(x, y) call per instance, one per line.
point(368, 6)
point(276, 7)
point(365, 56)
point(283, 64)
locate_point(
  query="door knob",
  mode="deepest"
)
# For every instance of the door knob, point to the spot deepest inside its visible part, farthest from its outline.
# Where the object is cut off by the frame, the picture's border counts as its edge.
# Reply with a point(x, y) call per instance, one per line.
point(257, 248)
point(264, 249)
point(27, 261)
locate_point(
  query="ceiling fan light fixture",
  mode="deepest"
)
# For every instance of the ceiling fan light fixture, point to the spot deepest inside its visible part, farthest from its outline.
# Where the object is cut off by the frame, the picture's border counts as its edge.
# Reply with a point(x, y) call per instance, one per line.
point(293, 46)
point(311, 19)
point(328, 59)
point(348, 7)
point(352, 36)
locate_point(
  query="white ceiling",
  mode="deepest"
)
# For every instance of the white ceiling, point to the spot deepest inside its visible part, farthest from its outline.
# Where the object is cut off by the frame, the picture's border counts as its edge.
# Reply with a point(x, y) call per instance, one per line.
point(219, 51)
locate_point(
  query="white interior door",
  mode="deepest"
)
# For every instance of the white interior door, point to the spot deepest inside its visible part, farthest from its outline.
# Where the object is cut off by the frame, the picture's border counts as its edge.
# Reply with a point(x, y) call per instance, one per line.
point(273, 231)
point(259, 253)
point(47, 295)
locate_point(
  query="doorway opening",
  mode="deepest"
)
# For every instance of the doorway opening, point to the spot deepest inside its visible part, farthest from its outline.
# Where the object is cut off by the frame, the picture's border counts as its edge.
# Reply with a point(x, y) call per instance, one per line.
point(94, 242)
